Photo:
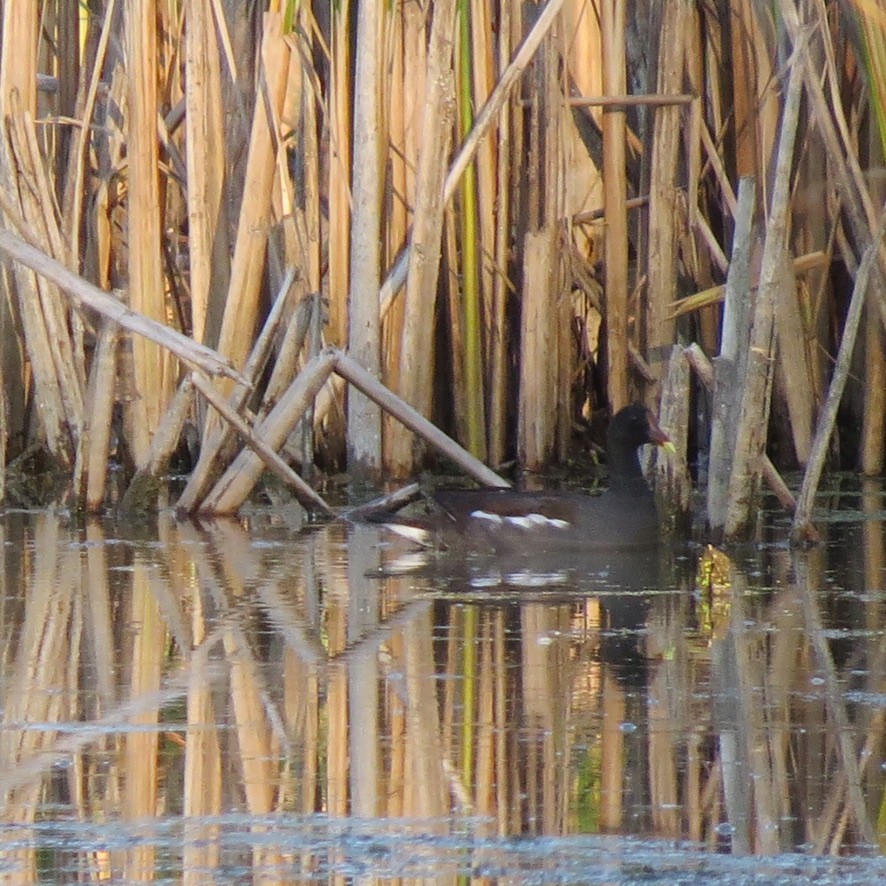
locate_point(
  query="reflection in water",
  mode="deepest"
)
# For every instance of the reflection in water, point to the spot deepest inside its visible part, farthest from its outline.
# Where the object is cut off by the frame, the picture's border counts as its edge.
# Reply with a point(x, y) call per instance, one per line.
point(210, 703)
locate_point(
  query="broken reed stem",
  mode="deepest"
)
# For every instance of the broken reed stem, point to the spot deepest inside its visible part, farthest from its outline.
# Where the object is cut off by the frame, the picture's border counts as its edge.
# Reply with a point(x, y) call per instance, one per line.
point(731, 366)
point(269, 457)
point(704, 371)
point(216, 444)
point(241, 476)
point(393, 501)
point(751, 429)
point(88, 295)
point(415, 421)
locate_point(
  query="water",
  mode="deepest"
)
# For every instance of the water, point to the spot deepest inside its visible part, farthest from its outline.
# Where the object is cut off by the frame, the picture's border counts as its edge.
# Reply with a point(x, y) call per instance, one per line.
point(222, 702)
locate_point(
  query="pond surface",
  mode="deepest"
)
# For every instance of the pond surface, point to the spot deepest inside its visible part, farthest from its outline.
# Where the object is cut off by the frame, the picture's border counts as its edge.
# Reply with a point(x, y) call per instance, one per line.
point(225, 702)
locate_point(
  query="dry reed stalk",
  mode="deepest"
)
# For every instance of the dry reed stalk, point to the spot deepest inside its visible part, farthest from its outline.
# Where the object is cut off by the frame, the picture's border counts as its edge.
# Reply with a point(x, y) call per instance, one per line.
point(497, 346)
point(456, 332)
point(751, 430)
point(338, 166)
point(661, 261)
point(731, 369)
point(802, 528)
point(847, 176)
point(672, 480)
point(290, 351)
point(41, 319)
point(873, 438)
point(18, 77)
point(371, 387)
point(482, 123)
point(792, 361)
point(95, 441)
point(18, 61)
point(207, 210)
point(300, 215)
point(65, 34)
point(704, 371)
point(51, 415)
point(540, 345)
point(483, 70)
point(557, 305)
point(40, 211)
point(230, 491)
point(216, 448)
point(247, 267)
point(713, 295)
point(364, 330)
point(152, 371)
point(312, 250)
point(417, 352)
point(394, 199)
point(268, 456)
point(615, 191)
point(742, 61)
point(72, 200)
point(167, 436)
point(87, 295)
point(557, 139)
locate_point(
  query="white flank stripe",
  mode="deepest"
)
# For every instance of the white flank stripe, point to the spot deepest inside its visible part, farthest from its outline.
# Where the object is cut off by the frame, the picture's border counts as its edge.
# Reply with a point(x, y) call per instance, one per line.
point(413, 533)
point(522, 522)
point(486, 515)
point(528, 521)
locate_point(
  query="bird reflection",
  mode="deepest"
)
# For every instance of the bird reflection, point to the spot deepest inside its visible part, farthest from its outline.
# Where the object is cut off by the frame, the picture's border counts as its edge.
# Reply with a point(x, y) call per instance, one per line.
point(626, 584)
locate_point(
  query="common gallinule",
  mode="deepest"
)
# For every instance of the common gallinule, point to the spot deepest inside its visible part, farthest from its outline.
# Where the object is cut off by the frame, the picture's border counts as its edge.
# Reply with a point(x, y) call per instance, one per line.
point(623, 516)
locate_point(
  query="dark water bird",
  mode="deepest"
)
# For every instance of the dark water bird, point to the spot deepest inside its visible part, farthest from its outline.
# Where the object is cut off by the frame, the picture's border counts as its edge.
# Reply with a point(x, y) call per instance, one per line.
point(624, 516)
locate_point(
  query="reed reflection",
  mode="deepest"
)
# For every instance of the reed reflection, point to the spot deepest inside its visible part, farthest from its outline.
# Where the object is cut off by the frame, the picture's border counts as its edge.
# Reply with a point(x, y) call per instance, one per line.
point(154, 686)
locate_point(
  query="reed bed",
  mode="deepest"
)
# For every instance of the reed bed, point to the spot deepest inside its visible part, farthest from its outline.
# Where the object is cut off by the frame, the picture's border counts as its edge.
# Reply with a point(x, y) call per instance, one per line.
point(510, 219)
